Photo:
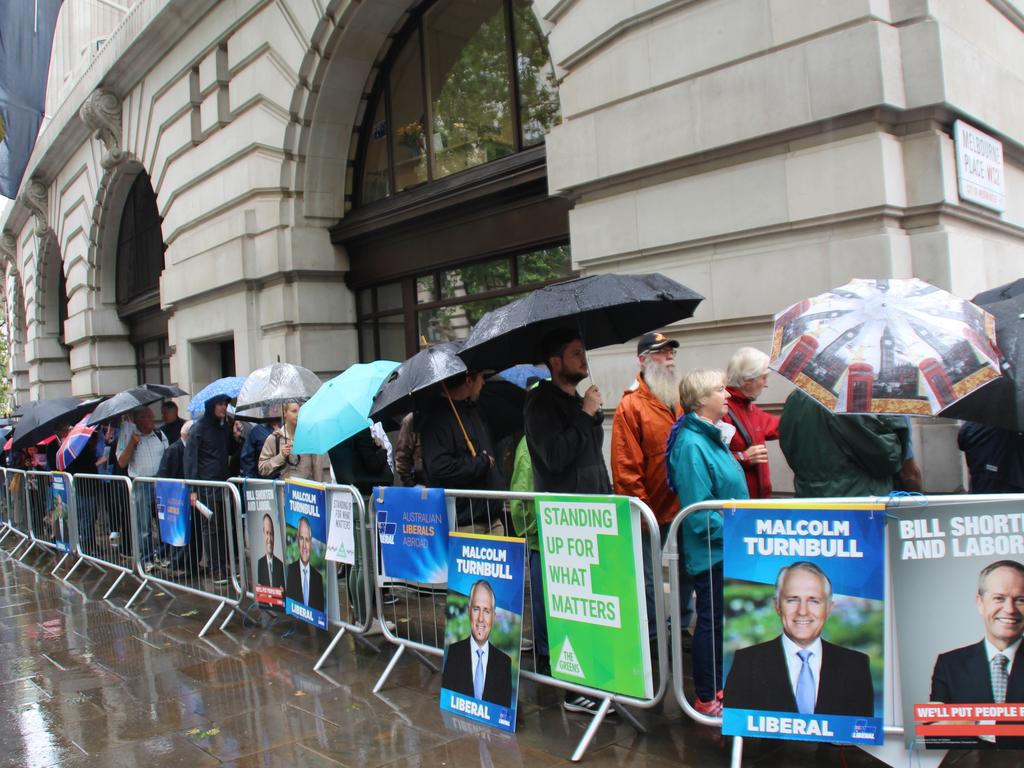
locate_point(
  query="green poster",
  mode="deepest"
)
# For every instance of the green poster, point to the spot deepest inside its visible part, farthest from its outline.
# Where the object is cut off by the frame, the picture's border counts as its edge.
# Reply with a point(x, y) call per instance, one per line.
point(594, 593)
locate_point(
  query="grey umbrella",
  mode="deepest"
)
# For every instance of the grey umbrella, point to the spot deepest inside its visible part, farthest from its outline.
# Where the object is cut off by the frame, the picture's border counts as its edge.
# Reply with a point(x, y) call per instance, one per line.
point(130, 399)
point(274, 385)
point(427, 367)
point(604, 309)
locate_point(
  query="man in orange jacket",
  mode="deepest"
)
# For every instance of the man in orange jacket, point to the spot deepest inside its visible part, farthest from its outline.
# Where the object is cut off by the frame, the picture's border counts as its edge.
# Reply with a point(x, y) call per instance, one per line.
point(643, 419)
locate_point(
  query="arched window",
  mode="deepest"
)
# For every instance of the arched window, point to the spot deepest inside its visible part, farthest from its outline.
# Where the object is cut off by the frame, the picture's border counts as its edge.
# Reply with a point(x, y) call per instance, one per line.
point(467, 83)
point(451, 214)
point(140, 260)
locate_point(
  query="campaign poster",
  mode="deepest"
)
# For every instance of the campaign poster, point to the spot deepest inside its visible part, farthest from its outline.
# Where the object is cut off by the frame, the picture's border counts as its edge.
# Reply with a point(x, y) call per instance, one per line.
point(341, 540)
point(958, 586)
point(412, 528)
point(804, 622)
point(305, 583)
point(173, 512)
point(266, 542)
point(483, 628)
point(594, 593)
point(61, 526)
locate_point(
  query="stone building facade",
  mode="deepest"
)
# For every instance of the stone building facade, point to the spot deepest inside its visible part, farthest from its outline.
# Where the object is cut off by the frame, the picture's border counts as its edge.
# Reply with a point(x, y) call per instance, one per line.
point(759, 151)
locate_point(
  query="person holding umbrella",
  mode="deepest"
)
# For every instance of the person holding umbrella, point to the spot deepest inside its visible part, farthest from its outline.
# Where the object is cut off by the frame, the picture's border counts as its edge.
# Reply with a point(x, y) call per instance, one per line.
point(564, 436)
point(457, 448)
point(279, 461)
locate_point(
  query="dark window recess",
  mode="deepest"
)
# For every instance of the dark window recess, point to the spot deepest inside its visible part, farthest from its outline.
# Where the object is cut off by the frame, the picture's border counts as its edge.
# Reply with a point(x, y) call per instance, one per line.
point(140, 246)
point(227, 358)
point(62, 308)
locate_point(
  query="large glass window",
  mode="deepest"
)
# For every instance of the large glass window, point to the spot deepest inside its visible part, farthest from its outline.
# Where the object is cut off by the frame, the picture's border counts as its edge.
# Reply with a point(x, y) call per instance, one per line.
point(449, 302)
point(468, 83)
point(140, 244)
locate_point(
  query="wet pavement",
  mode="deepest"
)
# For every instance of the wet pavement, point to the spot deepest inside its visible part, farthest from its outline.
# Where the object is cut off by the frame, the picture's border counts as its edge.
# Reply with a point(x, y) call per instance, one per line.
point(83, 681)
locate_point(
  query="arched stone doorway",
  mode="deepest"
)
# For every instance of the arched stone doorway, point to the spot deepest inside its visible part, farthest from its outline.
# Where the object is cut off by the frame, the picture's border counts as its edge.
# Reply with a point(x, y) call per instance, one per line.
point(442, 192)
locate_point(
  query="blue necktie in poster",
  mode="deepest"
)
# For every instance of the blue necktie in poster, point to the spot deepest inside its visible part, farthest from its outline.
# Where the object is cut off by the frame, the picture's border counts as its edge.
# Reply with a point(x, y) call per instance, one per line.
point(173, 512)
point(804, 621)
point(412, 526)
point(305, 581)
point(25, 44)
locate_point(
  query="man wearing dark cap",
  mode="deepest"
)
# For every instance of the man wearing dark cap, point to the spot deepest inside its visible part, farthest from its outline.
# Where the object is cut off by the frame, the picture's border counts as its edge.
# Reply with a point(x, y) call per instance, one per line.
point(640, 429)
point(564, 435)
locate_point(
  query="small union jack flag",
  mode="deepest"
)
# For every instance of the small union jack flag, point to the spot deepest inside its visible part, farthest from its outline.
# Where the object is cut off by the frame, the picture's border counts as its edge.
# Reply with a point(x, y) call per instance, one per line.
point(74, 443)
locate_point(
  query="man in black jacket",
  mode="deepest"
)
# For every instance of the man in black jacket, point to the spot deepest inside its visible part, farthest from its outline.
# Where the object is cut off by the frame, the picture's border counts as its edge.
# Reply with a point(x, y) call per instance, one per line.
point(207, 454)
point(563, 430)
point(564, 435)
point(457, 449)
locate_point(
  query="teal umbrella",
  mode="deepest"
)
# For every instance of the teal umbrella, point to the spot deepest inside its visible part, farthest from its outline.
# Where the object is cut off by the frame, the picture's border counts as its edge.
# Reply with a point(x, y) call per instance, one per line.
point(339, 408)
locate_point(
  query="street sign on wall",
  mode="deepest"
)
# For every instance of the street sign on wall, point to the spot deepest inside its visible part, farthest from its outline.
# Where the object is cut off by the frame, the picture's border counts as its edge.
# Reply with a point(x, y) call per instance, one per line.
point(979, 167)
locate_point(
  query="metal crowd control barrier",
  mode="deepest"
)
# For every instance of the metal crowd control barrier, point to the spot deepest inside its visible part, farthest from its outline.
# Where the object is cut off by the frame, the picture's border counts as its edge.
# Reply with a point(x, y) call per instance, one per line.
point(670, 559)
point(420, 627)
point(48, 514)
point(14, 493)
point(102, 518)
point(216, 573)
point(344, 615)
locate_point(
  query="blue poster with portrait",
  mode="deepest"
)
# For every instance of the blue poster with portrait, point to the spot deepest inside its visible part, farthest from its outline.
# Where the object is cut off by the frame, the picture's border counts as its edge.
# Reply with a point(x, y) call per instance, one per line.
point(804, 621)
point(174, 512)
point(61, 519)
point(305, 580)
point(412, 528)
point(483, 628)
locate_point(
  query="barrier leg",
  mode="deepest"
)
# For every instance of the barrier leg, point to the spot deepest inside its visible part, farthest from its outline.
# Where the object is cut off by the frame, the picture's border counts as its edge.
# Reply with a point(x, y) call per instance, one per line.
point(26, 551)
point(6, 533)
point(588, 736)
point(227, 619)
point(737, 752)
point(113, 586)
point(331, 647)
point(425, 661)
point(142, 586)
point(387, 670)
point(212, 619)
point(73, 568)
point(60, 563)
point(17, 547)
point(630, 718)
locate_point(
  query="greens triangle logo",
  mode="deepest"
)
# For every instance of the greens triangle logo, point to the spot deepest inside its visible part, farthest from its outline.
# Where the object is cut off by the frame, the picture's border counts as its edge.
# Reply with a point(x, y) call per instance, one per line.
point(568, 664)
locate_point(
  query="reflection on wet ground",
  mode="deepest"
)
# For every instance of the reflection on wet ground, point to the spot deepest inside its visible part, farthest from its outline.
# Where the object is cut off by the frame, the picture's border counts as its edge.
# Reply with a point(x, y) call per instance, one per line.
point(85, 682)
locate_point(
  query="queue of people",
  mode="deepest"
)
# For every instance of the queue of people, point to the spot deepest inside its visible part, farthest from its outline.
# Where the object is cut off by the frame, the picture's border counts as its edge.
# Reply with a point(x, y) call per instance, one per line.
point(676, 439)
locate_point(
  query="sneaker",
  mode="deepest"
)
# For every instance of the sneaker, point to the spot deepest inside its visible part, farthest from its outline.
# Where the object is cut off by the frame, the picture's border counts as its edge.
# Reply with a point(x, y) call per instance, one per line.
point(149, 567)
point(163, 562)
point(711, 708)
point(527, 645)
point(388, 598)
point(220, 579)
point(575, 702)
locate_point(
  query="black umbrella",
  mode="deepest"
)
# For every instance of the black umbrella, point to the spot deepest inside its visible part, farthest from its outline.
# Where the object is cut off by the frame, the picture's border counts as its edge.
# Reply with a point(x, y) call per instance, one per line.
point(130, 399)
point(604, 309)
point(1001, 403)
point(427, 367)
point(39, 419)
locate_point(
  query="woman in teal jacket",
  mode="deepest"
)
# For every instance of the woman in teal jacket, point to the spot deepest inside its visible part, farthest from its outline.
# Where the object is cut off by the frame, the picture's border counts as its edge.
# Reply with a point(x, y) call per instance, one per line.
point(701, 468)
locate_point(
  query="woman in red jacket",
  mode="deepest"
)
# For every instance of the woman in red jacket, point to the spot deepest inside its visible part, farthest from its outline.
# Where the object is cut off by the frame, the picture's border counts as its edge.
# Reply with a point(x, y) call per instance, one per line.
point(747, 376)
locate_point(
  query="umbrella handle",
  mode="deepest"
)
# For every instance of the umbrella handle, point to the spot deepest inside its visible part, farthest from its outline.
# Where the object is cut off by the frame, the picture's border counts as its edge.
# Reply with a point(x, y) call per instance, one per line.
point(469, 443)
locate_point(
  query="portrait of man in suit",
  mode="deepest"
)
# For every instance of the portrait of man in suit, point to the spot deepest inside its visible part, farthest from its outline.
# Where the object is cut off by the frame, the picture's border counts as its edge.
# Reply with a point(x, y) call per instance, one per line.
point(474, 667)
point(987, 672)
point(269, 568)
point(304, 584)
point(798, 671)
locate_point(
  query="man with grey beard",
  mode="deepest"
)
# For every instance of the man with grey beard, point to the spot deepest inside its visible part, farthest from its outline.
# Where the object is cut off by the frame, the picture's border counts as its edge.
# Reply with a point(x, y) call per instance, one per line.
point(640, 430)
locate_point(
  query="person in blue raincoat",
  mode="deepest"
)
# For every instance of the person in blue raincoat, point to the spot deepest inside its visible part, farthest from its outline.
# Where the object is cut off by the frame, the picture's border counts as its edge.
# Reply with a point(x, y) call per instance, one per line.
point(701, 468)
